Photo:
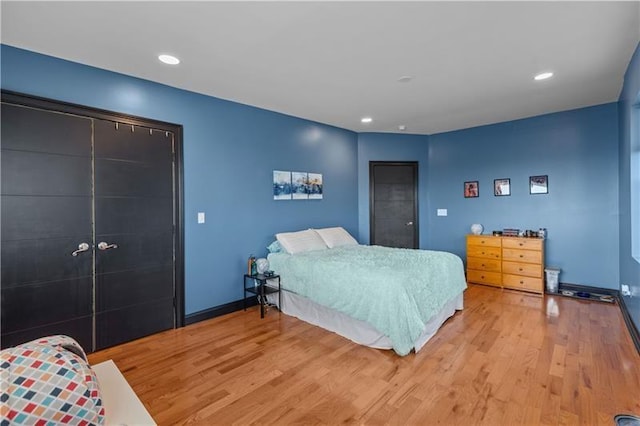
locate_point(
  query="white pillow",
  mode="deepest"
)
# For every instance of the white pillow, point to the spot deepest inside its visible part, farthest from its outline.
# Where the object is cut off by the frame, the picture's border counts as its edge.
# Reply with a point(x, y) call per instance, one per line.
point(336, 237)
point(301, 241)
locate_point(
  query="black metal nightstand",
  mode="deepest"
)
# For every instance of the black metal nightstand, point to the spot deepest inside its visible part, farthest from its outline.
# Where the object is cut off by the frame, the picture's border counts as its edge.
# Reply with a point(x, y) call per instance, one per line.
point(260, 288)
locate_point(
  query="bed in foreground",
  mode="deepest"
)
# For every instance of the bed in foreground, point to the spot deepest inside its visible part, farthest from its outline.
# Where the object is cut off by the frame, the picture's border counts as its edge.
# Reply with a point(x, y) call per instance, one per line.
point(377, 296)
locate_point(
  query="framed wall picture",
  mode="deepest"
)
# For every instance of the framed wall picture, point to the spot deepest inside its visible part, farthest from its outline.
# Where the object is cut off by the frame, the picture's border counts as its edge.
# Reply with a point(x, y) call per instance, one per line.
point(281, 185)
point(314, 186)
point(501, 187)
point(471, 189)
point(539, 184)
point(297, 185)
point(299, 189)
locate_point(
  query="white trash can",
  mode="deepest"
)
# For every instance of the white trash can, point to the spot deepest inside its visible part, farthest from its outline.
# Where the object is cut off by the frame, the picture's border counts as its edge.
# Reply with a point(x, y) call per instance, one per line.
point(552, 279)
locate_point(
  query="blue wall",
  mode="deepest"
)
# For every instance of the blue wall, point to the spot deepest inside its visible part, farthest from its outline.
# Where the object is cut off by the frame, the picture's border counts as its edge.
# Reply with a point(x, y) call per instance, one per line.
point(629, 107)
point(391, 147)
point(577, 149)
point(230, 151)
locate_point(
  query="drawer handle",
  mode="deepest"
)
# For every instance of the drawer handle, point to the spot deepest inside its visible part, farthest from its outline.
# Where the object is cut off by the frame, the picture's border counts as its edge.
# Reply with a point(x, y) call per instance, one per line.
point(522, 255)
point(520, 244)
point(483, 265)
point(520, 269)
point(521, 282)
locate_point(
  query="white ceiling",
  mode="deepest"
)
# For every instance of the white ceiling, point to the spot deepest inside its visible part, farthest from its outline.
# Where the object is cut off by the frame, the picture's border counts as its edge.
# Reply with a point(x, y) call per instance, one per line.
point(472, 63)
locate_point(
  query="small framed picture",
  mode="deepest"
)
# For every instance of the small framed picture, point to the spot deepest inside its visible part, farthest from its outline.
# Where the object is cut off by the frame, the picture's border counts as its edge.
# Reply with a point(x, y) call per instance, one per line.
point(471, 189)
point(501, 187)
point(539, 184)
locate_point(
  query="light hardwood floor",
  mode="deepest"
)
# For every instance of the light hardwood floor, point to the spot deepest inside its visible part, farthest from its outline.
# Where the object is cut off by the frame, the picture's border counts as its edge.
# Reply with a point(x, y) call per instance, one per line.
point(508, 358)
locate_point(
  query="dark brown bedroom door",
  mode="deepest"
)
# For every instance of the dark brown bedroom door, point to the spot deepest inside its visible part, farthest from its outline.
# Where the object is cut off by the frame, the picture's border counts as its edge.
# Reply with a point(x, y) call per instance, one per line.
point(393, 204)
point(88, 228)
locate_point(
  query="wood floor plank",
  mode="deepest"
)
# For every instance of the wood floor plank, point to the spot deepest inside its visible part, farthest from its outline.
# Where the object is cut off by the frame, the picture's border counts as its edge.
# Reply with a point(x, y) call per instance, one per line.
point(507, 358)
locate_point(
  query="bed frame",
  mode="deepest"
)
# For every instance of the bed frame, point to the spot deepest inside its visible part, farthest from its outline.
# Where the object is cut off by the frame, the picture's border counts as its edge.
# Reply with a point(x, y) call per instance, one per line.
point(358, 331)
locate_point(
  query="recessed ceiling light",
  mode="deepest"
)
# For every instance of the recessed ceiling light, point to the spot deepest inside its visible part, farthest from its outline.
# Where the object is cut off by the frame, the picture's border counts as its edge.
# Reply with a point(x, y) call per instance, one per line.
point(366, 120)
point(402, 127)
point(168, 59)
point(405, 79)
point(543, 76)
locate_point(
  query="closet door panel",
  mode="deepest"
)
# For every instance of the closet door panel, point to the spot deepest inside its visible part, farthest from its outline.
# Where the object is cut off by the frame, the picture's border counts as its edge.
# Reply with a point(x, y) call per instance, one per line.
point(52, 302)
point(155, 147)
point(114, 290)
point(30, 129)
point(132, 322)
point(18, 268)
point(29, 173)
point(135, 284)
point(118, 178)
point(130, 214)
point(79, 328)
point(46, 211)
point(33, 218)
point(135, 251)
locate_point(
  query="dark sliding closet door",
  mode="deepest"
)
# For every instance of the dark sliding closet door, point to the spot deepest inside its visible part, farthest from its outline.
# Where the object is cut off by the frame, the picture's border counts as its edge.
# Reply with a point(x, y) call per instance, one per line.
point(46, 215)
point(134, 222)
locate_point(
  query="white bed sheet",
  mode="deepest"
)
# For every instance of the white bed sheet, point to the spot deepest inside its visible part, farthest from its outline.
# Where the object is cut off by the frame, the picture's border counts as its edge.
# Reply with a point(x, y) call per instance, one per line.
point(358, 331)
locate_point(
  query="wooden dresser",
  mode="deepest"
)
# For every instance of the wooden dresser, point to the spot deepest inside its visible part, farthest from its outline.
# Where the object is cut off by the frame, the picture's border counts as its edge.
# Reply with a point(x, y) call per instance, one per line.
point(510, 262)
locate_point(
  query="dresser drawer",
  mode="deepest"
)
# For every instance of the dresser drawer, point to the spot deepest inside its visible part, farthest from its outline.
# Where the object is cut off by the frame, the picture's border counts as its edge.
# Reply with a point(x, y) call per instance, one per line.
point(522, 243)
point(518, 268)
point(483, 240)
point(480, 264)
point(486, 252)
point(522, 283)
point(484, 277)
point(528, 256)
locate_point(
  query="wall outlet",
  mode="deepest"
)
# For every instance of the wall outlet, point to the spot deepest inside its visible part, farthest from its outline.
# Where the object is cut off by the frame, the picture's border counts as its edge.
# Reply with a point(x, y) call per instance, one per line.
point(624, 289)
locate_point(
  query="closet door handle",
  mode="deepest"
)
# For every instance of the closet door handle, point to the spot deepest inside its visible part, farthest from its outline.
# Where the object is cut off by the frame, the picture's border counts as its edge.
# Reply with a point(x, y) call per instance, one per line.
point(81, 247)
point(106, 246)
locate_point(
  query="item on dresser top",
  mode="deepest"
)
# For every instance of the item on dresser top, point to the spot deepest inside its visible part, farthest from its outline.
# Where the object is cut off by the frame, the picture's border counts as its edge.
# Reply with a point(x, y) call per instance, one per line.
point(510, 232)
point(477, 229)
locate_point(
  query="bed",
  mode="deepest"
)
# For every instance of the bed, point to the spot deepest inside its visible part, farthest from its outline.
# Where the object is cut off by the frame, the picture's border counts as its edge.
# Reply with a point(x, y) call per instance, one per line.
point(377, 296)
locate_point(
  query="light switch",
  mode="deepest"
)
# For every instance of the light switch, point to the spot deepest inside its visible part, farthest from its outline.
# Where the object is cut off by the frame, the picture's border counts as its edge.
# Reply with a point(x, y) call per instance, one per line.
point(200, 217)
point(442, 212)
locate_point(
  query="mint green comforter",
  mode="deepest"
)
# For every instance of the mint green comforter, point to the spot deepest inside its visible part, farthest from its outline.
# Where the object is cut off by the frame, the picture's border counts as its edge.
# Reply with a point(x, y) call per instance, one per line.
point(395, 290)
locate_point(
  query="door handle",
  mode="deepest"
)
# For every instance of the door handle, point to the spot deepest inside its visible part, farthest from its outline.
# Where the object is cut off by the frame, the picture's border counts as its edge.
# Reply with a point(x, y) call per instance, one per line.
point(106, 246)
point(409, 223)
point(81, 247)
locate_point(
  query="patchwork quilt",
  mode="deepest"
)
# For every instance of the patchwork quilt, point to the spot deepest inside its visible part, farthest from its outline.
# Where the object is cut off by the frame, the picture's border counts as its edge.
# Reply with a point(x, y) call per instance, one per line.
point(48, 382)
